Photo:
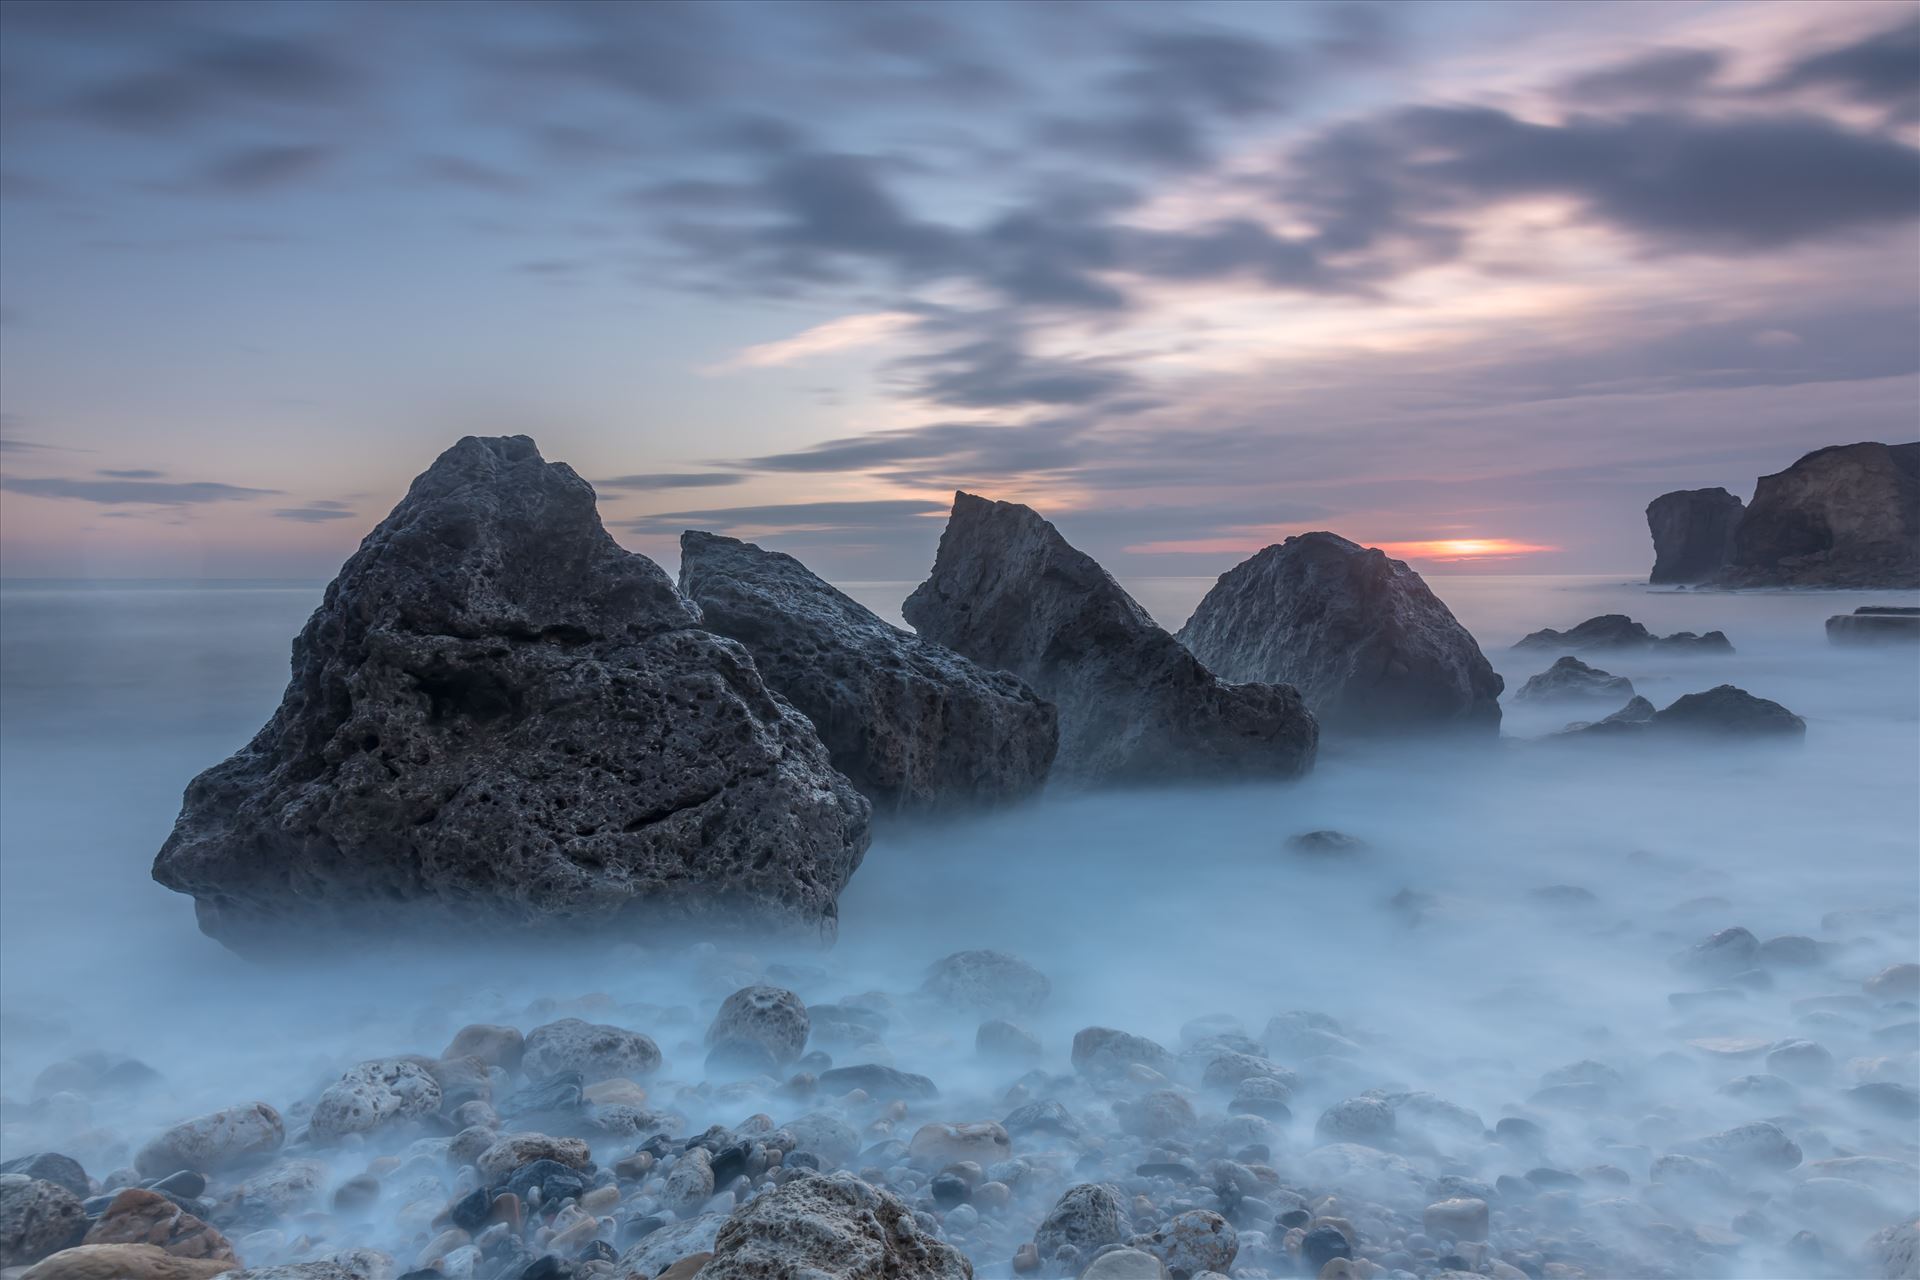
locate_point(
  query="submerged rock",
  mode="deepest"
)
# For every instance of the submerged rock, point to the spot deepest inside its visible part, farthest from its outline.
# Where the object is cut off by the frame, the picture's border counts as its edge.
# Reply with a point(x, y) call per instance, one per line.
point(1693, 532)
point(1571, 680)
point(912, 723)
point(1617, 631)
point(987, 982)
point(501, 718)
point(1723, 711)
point(1875, 624)
point(1368, 645)
point(1845, 516)
point(830, 1225)
point(1009, 592)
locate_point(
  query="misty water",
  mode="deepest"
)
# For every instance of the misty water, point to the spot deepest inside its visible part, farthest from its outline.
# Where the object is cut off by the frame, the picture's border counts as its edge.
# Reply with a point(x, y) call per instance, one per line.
point(1433, 948)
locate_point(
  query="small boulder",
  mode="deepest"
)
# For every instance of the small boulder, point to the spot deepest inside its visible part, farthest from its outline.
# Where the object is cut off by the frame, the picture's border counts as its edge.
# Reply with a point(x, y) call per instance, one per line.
point(126, 1262)
point(990, 983)
point(139, 1216)
point(1191, 1243)
point(372, 1095)
point(830, 1225)
point(215, 1142)
point(1571, 680)
point(596, 1051)
point(759, 1020)
point(935, 1146)
point(1085, 1218)
point(1103, 1051)
point(37, 1218)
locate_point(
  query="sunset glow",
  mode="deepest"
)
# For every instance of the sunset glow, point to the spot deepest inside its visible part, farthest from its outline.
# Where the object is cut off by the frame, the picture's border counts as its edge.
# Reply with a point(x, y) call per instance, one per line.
point(1463, 549)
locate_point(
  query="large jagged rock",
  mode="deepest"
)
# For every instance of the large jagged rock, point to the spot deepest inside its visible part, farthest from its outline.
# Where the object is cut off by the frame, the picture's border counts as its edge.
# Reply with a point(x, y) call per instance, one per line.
point(912, 723)
point(1846, 516)
point(1010, 593)
point(1367, 644)
point(830, 1225)
point(1616, 631)
point(499, 718)
point(1692, 533)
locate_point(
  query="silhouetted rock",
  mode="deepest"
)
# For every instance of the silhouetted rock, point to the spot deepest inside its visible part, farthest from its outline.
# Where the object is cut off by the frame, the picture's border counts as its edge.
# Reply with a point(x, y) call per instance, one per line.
point(1616, 631)
point(912, 723)
point(1693, 533)
point(1729, 709)
point(1875, 624)
point(1367, 644)
point(1846, 516)
point(1010, 593)
point(1571, 680)
point(1725, 710)
point(499, 718)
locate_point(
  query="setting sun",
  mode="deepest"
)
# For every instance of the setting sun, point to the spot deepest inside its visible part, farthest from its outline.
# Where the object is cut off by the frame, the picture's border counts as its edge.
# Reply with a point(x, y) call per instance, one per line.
point(1463, 549)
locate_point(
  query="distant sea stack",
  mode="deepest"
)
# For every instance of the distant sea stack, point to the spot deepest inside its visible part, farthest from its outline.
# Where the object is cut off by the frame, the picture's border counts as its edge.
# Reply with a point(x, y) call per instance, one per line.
point(1845, 516)
point(1010, 593)
point(500, 720)
point(912, 723)
point(1692, 534)
point(1368, 645)
point(1848, 516)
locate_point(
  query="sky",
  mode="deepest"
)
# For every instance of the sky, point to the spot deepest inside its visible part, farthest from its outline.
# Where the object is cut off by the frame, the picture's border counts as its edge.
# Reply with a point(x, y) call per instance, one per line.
point(1469, 281)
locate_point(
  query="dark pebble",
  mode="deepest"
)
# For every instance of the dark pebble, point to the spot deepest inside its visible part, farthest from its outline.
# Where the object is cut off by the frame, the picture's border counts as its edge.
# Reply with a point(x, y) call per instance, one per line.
point(1323, 1244)
point(949, 1189)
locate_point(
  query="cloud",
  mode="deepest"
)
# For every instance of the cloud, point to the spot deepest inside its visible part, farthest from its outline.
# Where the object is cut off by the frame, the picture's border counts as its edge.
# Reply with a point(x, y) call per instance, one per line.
point(263, 168)
point(134, 473)
point(672, 480)
point(846, 332)
point(316, 513)
point(1882, 69)
point(997, 373)
point(1680, 183)
point(458, 171)
point(223, 78)
point(109, 492)
point(1661, 75)
point(883, 513)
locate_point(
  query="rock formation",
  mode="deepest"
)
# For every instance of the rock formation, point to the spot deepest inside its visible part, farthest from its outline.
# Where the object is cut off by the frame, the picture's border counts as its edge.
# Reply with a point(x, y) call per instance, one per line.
point(501, 719)
point(1571, 680)
point(913, 724)
point(1722, 711)
point(1010, 593)
point(1618, 631)
point(1847, 516)
point(1692, 533)
point(1875, 624)
point(1367, 644)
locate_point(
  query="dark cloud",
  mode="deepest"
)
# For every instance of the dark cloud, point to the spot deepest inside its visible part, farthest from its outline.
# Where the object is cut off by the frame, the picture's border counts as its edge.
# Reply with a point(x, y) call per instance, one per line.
point(1681, 183)
point(133, 473)
point(221, 79)
point(1882, 69)
point(881, 513)
point(109, 492)
point(263, 168)
point(995, 373)
point(672, 480)
point(458, 171)
point(1661, 75)
point(316, 512)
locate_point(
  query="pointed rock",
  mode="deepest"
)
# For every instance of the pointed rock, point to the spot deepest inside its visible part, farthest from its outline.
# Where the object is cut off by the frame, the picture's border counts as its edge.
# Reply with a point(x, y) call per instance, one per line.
point(1010, 593)
point(500, 718)
point(1367, 644)
point(912, 723)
